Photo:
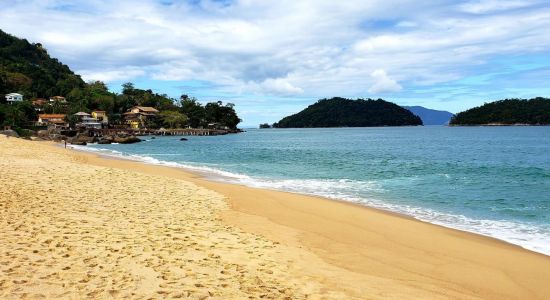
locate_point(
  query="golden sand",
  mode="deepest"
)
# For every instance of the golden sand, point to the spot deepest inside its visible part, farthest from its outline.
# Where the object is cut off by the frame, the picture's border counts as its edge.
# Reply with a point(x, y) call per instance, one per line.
point(74, 225)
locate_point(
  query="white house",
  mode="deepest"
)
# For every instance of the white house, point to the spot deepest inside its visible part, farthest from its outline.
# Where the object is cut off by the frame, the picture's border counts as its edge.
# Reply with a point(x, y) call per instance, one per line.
point(14, 97)
point(89, 122)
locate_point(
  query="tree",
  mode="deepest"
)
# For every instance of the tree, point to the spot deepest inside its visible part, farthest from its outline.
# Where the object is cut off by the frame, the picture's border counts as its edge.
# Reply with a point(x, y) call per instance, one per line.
point(72, 120)
point(13, 116)
point(128, 88)
point(193, 109)
point(229, 117)
point(216, 112)
point(57, 107)
point(18, 114)
point(173, 119)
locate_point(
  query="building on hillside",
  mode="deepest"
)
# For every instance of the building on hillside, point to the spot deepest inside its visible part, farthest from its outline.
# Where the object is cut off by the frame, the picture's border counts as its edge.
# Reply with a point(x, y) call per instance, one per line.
point(87, 121)
point(39, 104)
point(217, 126)
point(57, 120)
point(101, 116)
point(82, 114)
point(137, 116)
point(90, 123)
point(59, 99)
point(14, 97)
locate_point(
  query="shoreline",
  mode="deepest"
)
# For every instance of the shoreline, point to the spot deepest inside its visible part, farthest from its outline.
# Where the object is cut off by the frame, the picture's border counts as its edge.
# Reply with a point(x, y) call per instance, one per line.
point(161, 231)
point(356, 238)
point(198, 176)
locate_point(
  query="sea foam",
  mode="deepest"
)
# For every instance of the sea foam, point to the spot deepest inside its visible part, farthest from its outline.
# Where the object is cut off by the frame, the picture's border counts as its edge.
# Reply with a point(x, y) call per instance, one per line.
point(535, 238)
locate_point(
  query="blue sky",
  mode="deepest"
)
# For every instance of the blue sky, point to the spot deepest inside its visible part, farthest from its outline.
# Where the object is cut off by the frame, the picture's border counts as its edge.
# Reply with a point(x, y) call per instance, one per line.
point(273, 58)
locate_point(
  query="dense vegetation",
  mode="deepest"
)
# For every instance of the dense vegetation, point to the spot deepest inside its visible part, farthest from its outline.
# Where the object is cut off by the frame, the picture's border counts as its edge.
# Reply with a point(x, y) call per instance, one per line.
point(341, 112)
point(535, 111)
point(265, 126)
point(27, 69)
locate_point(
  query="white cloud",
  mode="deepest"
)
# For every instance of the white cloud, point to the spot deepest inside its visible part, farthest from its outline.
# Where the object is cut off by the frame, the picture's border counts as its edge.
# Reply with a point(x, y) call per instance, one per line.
point(111, 75)
point(488, 6)
point(383, 83)
point(273, 86)
point(310, 48)
point(280, 86)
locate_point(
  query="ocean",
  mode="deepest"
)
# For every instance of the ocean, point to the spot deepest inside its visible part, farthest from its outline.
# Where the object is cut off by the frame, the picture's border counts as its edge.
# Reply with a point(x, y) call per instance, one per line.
point(493, 181)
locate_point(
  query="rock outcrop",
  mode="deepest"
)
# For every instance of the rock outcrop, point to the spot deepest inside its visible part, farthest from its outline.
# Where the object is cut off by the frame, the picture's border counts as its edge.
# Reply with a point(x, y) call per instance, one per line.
point(126, 140)
point(82, 138)
point(10, 132)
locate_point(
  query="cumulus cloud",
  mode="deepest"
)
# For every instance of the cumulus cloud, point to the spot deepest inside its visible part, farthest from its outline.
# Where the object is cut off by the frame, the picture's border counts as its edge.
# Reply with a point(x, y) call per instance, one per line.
point(310, 48)
point(383, 83)
point(272, 86)
point(488, 6)
point(127, 73)
point(280, 86)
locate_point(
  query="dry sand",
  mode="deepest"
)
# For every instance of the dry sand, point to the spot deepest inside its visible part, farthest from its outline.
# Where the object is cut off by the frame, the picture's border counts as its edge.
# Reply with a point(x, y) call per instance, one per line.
point(75, 225)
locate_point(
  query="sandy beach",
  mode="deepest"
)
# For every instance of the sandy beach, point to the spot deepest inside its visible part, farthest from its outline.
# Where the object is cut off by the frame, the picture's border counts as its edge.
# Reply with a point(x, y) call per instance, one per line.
point(75, 225)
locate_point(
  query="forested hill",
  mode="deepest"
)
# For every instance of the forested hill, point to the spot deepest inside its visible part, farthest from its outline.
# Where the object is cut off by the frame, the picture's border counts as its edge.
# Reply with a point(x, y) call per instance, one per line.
point(28, 69)
point(341, 112)
point(534, 111)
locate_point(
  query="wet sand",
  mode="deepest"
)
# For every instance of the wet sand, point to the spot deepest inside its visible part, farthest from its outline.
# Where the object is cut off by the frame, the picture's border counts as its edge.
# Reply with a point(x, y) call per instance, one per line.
point(77, 225)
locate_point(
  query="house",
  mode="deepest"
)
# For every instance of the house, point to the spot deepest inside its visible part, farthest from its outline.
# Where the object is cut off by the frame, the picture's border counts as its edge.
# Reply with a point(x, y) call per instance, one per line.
point(57, 120)
point(101, 116)
point(39, 104)
point(59, 99)
point(14, 97)
point(138, 116)
point(87, 121)
point(82, 114)
point(217, 126)
point(143, 110)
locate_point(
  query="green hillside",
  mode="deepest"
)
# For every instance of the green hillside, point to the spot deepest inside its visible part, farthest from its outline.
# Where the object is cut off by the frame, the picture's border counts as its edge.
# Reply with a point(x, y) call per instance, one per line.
point(28, 69)
point(534, 111)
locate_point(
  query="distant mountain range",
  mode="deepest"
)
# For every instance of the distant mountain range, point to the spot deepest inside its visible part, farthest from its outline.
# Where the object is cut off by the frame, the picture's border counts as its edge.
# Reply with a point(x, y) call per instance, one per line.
point(431, 116)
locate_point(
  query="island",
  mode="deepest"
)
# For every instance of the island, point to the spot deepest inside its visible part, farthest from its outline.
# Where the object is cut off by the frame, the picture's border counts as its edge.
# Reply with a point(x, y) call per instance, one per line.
point(342, 112)
point(265, 126)
point(534, 111)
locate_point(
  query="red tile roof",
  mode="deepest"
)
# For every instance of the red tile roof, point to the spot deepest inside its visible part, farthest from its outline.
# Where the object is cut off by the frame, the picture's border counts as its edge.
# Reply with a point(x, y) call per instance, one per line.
point(147, 109)
point(51, 116)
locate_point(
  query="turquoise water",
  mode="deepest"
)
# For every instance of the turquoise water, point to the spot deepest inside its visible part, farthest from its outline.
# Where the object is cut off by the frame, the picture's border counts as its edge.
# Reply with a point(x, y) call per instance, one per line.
point(489, 180)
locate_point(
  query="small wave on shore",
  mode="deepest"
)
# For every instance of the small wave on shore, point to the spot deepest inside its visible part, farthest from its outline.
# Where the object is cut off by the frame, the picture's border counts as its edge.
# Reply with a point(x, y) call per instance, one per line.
point(534, 237)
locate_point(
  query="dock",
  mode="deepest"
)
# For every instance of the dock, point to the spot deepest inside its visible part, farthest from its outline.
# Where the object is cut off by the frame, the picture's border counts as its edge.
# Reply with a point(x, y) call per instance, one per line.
point(159, 132)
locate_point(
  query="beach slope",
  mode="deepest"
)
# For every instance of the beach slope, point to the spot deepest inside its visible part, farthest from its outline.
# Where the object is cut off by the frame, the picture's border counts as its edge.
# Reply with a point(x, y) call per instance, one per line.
point(77, 225)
